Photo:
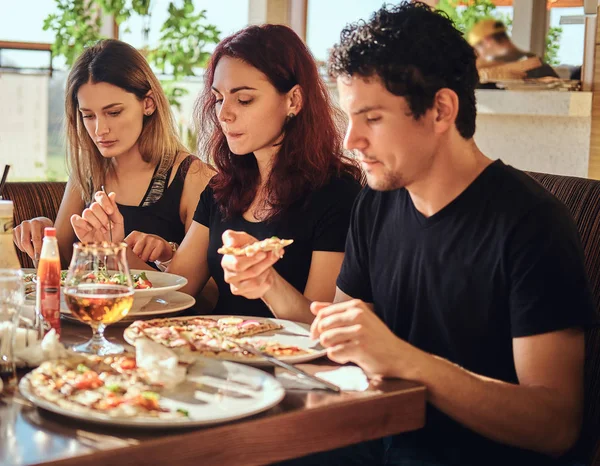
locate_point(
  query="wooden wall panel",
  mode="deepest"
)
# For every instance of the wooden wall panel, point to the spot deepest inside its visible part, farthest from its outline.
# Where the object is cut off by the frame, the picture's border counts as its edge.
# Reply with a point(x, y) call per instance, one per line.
point(594, 161)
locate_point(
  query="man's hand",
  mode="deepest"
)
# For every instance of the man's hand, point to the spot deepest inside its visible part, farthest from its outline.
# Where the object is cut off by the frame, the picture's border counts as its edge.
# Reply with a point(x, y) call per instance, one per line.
point(352, 332)
point(248, 276)
point(28, 235)
point(93, 223)
point(149, 248)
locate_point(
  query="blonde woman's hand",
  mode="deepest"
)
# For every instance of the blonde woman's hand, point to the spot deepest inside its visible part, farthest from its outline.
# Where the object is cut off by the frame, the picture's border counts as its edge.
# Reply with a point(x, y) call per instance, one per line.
point(149, 248)
point(29, 234)
point(93, 223)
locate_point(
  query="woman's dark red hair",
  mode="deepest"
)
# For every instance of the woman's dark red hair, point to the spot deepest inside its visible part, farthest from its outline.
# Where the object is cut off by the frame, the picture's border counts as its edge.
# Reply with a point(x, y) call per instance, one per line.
point(311, 151)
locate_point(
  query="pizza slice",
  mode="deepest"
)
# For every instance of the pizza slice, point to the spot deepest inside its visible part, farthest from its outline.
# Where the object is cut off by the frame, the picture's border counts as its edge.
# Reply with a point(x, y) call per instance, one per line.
point(270, 244)
point(237, 327)
point(274, 347)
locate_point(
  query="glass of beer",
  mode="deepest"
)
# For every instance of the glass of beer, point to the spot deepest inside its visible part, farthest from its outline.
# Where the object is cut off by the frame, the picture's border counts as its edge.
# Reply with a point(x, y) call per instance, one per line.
point(99, 291)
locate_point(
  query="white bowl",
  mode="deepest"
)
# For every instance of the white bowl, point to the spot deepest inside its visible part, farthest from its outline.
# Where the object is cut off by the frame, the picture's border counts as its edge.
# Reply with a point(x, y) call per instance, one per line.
point(162, 283)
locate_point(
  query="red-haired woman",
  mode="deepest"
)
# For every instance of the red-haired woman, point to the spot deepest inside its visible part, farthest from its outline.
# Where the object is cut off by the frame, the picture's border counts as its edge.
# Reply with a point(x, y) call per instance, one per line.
point(268, 126)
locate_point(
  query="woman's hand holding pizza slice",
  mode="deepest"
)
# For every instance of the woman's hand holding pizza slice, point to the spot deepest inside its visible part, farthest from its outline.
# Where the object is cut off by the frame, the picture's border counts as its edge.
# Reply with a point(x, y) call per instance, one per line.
point(247, 262)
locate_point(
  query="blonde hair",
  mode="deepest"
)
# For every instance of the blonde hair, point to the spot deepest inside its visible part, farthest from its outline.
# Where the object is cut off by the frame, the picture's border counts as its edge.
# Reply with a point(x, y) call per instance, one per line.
point(117, 63)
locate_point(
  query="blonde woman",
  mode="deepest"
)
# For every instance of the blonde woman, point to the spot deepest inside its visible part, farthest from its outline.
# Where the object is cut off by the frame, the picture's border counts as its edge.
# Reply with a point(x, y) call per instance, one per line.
point(121, 136)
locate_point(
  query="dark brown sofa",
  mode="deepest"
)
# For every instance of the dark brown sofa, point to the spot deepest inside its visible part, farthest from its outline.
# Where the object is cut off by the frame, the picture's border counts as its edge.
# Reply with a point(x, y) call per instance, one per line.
point(34, 199)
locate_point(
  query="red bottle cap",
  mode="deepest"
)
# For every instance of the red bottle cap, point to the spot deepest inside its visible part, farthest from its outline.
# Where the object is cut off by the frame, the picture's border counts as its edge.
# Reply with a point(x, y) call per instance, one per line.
point(49, 231)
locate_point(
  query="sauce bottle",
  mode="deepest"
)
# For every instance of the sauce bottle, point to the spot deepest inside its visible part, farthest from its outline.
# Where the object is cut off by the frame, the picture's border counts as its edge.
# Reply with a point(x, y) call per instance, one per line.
point(47, 307)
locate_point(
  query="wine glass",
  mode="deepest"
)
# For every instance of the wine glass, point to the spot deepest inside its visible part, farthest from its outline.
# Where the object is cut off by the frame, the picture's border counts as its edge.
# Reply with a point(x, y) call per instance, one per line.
point(98, 290)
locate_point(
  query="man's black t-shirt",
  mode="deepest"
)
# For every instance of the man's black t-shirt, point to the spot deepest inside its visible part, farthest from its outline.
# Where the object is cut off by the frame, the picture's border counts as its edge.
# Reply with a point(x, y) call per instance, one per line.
point(502, 260)
point(318, 222)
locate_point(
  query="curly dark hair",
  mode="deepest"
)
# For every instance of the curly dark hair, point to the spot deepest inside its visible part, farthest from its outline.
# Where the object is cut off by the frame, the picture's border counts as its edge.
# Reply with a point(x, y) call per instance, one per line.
point(416, 52)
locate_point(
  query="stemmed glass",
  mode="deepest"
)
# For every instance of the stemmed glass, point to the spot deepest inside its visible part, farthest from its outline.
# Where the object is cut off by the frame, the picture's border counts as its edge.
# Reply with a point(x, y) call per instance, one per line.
point(98, 290)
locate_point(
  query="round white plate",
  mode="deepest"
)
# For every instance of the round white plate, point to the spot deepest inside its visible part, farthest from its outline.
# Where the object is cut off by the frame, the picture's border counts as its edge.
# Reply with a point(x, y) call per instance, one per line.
point(170, 303)
point(213, 392)
point(292, 333)
point(162, 283)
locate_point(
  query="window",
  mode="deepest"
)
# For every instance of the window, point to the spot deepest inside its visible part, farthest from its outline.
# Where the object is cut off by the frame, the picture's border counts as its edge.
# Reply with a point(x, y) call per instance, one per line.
point(31, 134)
point(571, 43)
point(325, 20)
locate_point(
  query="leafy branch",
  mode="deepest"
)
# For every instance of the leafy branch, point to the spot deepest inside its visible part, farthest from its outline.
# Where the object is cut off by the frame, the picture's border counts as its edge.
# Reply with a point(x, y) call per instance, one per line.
point(181, 48)
point(553, 45)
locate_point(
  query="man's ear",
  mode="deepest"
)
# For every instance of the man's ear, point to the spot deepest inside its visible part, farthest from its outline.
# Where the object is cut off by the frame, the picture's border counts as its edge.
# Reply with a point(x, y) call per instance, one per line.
point(295, 100)
point(445, 105)
point(149, 104)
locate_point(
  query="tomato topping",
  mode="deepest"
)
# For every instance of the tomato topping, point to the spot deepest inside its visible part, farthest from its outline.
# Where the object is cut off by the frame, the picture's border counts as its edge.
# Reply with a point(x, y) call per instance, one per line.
point(143, 284)
point(88, 380)
point(128, 364)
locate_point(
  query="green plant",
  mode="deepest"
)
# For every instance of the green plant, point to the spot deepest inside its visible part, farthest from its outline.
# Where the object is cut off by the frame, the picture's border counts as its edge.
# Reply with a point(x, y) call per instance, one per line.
point(179, 52)
point(552, 45)
point(466, 13)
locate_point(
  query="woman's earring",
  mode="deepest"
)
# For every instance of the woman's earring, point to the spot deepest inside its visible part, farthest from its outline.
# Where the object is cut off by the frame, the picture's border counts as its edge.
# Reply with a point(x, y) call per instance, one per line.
point(291, 115)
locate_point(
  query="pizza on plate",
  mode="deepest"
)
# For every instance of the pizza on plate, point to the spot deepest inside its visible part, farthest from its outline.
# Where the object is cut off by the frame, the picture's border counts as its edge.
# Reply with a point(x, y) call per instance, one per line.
point(109, 385)
point(270, 244)
point(210, 337)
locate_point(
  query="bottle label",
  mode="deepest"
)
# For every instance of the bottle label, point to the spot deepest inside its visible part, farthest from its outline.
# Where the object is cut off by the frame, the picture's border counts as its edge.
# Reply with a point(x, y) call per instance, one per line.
point(6, 225)
point(49, 297)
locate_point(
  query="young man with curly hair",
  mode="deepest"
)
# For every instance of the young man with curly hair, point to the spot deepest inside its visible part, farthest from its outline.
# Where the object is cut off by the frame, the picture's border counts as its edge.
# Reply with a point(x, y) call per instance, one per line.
point(461, 273)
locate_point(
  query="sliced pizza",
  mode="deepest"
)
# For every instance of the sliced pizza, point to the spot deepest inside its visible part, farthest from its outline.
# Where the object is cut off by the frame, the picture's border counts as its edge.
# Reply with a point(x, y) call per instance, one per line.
point(212, 337)
point(111, 385)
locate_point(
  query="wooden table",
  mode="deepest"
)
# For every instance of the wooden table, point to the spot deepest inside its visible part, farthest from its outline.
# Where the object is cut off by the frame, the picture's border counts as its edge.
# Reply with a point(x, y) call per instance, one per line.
point(304, 422)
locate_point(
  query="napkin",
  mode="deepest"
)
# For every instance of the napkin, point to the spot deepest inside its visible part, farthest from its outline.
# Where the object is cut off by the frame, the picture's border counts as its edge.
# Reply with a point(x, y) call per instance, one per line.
point(33, 352)
point(161, 363)
point(348, 378)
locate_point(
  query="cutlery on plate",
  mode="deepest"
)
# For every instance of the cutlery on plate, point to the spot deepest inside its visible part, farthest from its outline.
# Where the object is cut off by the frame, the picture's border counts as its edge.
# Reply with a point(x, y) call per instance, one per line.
point(223, 390)
point(324, 384)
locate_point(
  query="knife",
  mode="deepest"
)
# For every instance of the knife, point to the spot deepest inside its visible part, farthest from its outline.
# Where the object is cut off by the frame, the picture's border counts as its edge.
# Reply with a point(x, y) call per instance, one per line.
point(324, 384)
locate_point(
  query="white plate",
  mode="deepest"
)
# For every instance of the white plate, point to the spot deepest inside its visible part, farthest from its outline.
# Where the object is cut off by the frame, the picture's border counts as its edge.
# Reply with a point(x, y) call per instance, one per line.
point(292, 333)
point(244, 391)
point(170, 303)
point(162, 283)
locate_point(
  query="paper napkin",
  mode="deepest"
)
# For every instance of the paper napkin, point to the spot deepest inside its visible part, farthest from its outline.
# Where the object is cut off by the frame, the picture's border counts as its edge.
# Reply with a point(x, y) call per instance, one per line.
point(348, 378)
point(161, 363)
point(33, 352)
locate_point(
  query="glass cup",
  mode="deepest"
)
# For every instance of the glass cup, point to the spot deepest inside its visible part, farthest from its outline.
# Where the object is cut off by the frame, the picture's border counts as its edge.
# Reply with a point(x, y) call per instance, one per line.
point(12, 297)
point(98, 291)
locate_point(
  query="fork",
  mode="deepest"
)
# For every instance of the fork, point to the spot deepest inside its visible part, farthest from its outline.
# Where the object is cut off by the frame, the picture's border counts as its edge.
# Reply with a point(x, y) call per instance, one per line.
point(109, 222)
